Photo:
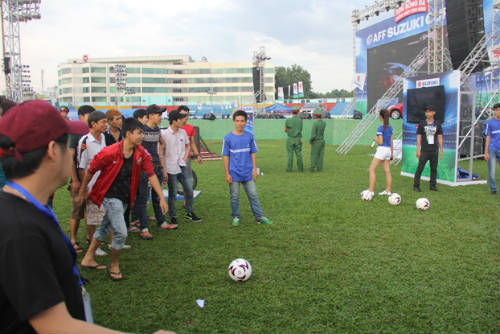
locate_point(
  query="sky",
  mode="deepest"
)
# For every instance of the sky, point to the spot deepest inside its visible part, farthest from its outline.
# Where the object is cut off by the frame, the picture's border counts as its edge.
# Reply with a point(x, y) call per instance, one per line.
point(316, 34)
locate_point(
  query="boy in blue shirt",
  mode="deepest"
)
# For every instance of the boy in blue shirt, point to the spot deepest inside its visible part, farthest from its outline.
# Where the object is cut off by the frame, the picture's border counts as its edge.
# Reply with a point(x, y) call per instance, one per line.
point(492, 146)
point(240, 163)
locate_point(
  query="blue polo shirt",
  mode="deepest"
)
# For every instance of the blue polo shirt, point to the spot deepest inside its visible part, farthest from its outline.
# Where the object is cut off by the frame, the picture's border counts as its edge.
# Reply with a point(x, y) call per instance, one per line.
point(386, 135)
point(239, 149)
point(493, 130)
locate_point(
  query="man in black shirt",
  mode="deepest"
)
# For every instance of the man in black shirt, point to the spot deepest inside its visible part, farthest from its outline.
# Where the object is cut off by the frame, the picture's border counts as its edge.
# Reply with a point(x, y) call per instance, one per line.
point(429, 134)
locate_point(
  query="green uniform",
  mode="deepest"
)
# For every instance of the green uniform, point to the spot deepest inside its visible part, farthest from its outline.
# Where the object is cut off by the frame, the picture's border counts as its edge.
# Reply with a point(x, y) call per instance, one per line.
point(317, 144)
point(294, 142)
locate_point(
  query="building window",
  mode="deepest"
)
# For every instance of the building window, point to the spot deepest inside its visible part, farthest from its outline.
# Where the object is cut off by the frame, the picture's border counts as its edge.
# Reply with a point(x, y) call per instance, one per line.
point(85, 80)
point(66, 80)
point(98, 69)
point(154, 89)
point(178, 99)
point(98, 80)
point(86, 90)
point(133, 70)
point(268, 70)
point(133, 80)
point(98, 89)
point(86, 99)
point(65, 71)
point(154, 80)
point(154, 70)
point(99, 99)
point(85, 70)
point(67, 90)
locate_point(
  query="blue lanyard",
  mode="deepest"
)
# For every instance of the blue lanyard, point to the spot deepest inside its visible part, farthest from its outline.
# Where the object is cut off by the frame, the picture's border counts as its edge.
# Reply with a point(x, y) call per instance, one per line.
point(45, 209)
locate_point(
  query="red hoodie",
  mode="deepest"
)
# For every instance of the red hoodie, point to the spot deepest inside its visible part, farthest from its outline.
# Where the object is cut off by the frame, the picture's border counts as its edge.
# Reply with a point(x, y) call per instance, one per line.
point(109, 161)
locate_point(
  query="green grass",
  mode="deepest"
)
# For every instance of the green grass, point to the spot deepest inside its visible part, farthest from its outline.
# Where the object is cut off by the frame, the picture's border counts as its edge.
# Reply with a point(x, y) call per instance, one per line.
point(330, 263)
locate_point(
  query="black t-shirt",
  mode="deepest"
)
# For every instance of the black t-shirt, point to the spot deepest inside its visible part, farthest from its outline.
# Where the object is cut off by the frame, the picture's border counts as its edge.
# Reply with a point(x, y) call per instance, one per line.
point(150, 143)
point(36, 266)
point(429, 133)
point(110, 140)
point(120, 188)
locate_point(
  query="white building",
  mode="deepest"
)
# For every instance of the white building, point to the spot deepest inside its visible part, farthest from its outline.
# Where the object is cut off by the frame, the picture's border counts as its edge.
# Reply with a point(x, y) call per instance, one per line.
point(168, 80)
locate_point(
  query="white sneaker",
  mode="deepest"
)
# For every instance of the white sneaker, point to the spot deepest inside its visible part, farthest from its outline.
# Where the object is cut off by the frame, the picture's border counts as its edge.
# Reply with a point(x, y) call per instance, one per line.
point(388, 193)
point(100, 252)
point(124, 247)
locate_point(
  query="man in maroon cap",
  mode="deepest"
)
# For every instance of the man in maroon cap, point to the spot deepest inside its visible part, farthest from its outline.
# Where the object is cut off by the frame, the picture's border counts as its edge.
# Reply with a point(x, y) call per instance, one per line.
point(41, 290)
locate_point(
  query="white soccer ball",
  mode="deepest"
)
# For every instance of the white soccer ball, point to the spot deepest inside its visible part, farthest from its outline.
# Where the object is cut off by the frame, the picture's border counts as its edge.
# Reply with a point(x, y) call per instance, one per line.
point(423, 204)
point(394, 199)
point(240, 270)
point(366, 195)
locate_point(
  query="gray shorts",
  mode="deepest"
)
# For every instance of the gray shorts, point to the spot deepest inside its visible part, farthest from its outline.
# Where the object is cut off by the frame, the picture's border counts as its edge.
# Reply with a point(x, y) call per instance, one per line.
point(94, 213)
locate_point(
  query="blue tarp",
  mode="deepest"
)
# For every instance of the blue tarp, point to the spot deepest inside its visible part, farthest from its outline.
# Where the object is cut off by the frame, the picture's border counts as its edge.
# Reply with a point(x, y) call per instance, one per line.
point(277, 107)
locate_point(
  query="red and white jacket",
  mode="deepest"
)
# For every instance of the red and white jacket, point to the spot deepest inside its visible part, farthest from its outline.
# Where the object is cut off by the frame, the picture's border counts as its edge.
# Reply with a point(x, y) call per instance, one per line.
point(109, 161)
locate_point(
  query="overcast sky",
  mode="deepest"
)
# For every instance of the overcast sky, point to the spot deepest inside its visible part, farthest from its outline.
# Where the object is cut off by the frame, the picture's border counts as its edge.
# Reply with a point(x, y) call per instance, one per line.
point(316, 34)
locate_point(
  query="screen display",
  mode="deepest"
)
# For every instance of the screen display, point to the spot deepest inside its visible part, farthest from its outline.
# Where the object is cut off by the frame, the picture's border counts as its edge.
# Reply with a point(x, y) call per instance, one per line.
point(417, 99)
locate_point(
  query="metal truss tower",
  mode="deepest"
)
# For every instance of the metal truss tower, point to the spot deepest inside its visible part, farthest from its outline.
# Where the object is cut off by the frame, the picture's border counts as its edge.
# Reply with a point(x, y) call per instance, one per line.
point(12, 13)
point(436, 60)
point(259, 60)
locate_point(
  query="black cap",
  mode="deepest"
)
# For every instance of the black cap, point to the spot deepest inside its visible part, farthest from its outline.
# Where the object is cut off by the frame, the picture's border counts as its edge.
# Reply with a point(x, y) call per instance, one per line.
point(429, 107)
point(176, 114)
point(154, 109)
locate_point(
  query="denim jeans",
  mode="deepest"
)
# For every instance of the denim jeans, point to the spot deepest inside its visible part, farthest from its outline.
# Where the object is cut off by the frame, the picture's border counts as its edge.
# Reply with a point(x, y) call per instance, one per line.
point(141, 204)
point(186, 179)
point(113, 221)
point(494, 159)
point(251, 190)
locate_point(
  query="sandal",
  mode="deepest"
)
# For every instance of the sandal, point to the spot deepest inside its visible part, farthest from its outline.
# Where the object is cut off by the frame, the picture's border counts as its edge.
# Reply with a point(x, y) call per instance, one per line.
point(78, 249)
point(115, 276)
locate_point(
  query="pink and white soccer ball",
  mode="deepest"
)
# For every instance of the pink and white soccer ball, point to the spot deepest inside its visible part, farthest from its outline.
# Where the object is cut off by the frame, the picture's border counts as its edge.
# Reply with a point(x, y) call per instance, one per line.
point(394, 199)
point(240, 270)
point(366, 195)
point(423, 204)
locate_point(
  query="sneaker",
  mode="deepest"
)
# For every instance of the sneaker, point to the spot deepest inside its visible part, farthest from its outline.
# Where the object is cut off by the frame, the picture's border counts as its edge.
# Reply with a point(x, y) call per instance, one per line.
point(385, 192)
point(133, 229)
point(236, 221)
point(192, 217)
point(171, 226)
point(264, 220)
point(493, 192)
point(433, 188)
point(100, 252)
point(416, 188)
point(145, 235)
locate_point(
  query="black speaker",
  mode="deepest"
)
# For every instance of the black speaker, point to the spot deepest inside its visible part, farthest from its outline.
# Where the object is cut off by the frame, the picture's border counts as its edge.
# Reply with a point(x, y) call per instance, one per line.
point(256, 85)
point(465, 29)
point(6, 65)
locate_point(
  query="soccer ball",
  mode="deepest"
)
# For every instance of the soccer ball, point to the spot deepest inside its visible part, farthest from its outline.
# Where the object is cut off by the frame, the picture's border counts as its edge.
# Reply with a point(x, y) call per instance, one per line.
point(394, 199)
point(366, 195)
point(423, 204)
point(240, 270)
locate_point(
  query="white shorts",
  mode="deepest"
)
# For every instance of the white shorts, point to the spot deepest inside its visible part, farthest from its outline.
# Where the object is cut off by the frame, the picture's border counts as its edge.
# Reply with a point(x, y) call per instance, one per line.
point(383, 153)
point(94, 213)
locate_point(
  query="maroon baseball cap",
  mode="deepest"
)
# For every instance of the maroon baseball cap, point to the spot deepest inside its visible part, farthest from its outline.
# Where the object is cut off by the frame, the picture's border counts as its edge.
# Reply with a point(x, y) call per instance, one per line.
point(33, 124)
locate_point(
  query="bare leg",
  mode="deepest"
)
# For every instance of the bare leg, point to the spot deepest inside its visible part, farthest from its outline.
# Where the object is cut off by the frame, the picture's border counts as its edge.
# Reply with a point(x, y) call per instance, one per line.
point(388, 176)
point(115, 265)
point(73, 229)
point(373, 177)
point(88, 259)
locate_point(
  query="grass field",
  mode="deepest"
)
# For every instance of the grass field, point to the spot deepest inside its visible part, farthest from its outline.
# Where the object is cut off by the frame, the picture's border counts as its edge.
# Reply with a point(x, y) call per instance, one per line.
point(330, 263)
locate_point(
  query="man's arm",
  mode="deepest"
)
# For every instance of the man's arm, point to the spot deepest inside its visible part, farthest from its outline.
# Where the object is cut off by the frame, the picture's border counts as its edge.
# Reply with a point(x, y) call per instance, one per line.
point(186, 155)
point(83, 193)
point(441, 146)
point(75, 184)
point(161, 154)
point(254, 167)
point(486, 148)
point(155, 184)
point(195, 150)
point(229, 179)
point(419, 141)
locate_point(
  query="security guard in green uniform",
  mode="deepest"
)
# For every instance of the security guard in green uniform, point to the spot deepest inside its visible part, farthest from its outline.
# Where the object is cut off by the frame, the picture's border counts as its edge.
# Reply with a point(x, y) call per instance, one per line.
point(317, 142)
point(293, 128)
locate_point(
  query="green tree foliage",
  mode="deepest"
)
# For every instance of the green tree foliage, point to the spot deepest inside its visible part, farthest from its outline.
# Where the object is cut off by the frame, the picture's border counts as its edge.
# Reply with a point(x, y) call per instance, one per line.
point(287, 76)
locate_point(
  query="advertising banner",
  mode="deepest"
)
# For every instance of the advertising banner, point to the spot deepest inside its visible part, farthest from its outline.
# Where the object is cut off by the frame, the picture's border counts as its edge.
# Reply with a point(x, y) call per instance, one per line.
point(281, 94)
point(301, 90)
point(295, 91)
point(447, 167)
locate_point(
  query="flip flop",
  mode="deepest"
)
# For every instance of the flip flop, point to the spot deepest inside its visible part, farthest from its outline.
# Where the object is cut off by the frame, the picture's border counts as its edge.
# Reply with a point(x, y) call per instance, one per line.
point(77, 248)
point(96, 267)
point(113, 273)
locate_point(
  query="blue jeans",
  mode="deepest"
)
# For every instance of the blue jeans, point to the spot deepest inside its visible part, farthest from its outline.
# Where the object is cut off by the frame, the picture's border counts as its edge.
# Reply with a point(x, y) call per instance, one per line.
point(113, 221)
point(494, 159)
point(251, 190)
point(141, 204)
point(186, 179)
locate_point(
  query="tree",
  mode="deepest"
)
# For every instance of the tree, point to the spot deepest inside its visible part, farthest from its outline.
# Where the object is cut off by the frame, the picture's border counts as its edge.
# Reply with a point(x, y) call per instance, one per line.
point(287, 76)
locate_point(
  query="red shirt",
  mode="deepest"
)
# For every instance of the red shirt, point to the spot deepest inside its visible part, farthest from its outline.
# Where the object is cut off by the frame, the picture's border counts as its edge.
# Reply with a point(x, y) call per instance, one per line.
point(109, 161)
point(189, 130)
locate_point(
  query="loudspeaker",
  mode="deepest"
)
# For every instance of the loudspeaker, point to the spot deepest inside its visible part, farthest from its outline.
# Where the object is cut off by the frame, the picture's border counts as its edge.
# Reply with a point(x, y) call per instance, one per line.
point(6, 65)
point(256, 85)
point(465, 24)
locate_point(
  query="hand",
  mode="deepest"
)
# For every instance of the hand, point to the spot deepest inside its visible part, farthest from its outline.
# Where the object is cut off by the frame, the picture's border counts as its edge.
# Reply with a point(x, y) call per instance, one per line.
point(486, 156)
point(418, 154)
point(254, 175)
point(198, 158)
point(229, 179)
point(441, 155)
point(75, 187)
point(163, 205)
point(392, 157)
point(80, 198)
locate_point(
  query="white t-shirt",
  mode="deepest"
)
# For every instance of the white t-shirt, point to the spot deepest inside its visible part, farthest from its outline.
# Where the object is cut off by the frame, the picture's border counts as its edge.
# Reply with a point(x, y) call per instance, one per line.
point(175, 149)
point(88, 147)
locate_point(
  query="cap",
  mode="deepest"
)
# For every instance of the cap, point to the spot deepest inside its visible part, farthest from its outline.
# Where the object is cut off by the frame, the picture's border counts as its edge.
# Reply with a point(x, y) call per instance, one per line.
point(429, 107)
point(33, 124)
point(154, 109)
point(176, 114)
point(318, 112)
